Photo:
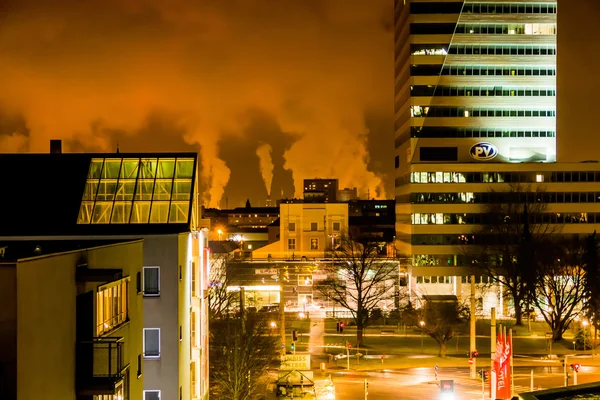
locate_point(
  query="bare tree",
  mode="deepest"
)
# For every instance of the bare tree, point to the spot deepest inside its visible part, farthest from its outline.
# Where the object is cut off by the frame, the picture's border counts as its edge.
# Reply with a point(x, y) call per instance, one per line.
point(241, 350)
point(560, 285)
point(514, 224)
point(220, 300)
point(360, 279)
point(591, 264)
point(441, 319)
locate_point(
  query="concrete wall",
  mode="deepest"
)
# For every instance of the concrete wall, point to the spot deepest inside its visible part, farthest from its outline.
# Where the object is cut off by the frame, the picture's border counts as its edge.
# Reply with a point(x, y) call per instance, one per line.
point(184, 304)
point(46, 305)
point(163, 312)
point(8, 331)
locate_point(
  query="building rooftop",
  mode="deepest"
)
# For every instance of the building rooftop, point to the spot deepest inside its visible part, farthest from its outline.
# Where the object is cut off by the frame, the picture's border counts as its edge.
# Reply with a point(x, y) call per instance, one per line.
point(12, 251)
point(99, 194)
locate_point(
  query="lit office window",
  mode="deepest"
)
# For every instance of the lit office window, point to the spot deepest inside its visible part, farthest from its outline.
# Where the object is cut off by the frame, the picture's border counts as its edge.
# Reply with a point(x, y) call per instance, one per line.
point(137, 190)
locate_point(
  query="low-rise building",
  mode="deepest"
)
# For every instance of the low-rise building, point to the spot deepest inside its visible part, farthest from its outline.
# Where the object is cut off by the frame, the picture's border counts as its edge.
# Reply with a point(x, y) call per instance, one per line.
point(149, 196)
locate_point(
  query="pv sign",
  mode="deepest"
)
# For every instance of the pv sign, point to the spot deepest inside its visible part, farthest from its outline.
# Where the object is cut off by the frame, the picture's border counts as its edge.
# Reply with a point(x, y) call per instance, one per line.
point(483, 151)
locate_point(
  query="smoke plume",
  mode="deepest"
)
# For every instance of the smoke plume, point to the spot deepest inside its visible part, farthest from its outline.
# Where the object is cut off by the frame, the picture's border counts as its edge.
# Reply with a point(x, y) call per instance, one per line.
point(90, 72)
point(266, 165)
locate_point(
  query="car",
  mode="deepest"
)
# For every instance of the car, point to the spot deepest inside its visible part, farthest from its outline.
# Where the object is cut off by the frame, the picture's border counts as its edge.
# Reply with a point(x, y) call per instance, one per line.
point(269, 308)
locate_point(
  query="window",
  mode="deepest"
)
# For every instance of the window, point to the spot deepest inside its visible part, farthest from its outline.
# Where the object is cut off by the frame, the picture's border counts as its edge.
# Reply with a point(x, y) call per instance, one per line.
point(314, 226)
point(138, 282)
point(314, 244)
point(151, 394)
point(194, 274)
point(193, 335)
point(291, 244)
point(292, 227)
point(111, 305)
point(336, 226)
point(194, 380)
point(120, 191)
point(304, 280)
point(151, 342)
point(151, 281)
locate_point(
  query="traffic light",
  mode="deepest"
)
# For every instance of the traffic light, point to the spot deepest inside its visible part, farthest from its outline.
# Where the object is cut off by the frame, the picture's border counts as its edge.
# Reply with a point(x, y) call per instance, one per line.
point(483, 374)
point(474, 354)
point(294, 336)
point(337, 327)
point(293, 346)
point(575, 367)
point(341, 327)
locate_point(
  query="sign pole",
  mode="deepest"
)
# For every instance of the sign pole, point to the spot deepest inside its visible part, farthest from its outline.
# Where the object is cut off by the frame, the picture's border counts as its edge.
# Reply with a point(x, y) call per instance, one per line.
point(512, 370)
point(473, 343)
point(492, 342)
point(347, 355)
point(531, 382)
point(282, 310)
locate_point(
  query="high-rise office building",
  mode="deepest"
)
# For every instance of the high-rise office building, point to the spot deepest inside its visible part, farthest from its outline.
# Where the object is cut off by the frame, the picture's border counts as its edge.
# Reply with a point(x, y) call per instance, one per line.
point(475, 98)
point(320, 190)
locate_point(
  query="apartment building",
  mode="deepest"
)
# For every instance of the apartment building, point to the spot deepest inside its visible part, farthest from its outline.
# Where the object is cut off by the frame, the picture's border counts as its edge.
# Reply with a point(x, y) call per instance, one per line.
point(121, 197)
point(475, 108)
point(71, 320)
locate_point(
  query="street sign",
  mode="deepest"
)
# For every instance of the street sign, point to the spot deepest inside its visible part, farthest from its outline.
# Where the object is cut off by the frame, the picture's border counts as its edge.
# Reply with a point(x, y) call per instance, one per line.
point(447, 386)
point(295, 362)
point(548, 335)
point(470, 361)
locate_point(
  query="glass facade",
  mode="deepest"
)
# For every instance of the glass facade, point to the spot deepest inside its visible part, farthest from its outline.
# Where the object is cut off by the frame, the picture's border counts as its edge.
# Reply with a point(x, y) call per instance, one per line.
point(137, 191)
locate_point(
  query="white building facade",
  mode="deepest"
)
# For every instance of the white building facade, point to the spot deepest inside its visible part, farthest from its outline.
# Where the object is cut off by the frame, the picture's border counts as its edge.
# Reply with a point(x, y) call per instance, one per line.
point(475, 112)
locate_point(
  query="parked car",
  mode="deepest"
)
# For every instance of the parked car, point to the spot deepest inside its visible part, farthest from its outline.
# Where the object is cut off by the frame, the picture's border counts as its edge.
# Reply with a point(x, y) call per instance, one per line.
point(271, 308)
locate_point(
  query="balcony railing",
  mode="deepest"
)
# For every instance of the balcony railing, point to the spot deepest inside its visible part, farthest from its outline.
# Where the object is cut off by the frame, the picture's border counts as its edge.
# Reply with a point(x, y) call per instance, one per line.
point(100, 365)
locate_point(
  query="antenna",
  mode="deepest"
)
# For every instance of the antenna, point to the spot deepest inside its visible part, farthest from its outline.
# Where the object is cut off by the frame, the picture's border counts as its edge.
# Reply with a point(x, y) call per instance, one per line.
point(117, 147)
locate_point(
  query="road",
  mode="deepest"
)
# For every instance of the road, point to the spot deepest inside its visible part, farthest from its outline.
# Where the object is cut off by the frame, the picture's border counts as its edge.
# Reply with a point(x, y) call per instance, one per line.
point(420, 383)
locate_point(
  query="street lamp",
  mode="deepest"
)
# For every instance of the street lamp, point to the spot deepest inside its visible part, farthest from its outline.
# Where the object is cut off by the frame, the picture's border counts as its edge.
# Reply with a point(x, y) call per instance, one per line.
point(220, 232)
point(422, 323)
point(585, 324)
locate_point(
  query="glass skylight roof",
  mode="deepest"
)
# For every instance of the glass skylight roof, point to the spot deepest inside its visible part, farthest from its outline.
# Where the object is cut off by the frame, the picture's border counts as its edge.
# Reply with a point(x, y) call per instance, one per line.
point(137, 191)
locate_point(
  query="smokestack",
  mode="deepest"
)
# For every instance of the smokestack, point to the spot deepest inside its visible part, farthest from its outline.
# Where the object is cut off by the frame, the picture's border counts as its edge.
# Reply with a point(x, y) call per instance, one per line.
point(55, 146)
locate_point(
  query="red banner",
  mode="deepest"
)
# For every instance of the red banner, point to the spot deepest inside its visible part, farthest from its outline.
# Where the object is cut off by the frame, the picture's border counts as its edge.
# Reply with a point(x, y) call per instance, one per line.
point(501, 369)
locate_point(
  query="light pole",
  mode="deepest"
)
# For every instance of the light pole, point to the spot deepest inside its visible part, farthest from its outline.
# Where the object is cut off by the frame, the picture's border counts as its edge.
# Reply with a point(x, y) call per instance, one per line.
point(585, 324)
point(220, 232)
point(422, 323)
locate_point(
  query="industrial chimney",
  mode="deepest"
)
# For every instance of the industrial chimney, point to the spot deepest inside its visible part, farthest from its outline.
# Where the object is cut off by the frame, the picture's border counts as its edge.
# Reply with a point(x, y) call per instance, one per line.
point(55, 146)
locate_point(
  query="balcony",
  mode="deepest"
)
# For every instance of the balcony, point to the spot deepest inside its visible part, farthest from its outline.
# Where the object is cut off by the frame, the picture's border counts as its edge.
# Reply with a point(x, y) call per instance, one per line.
point(100, 366)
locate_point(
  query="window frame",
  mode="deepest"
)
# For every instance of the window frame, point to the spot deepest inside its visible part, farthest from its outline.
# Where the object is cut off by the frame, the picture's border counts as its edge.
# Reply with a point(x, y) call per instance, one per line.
point(117, 312)
point(151, 391)
point(339, 226)
point(150, 357)
point(312, 240)
point(290, 241)
point(144, 281)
